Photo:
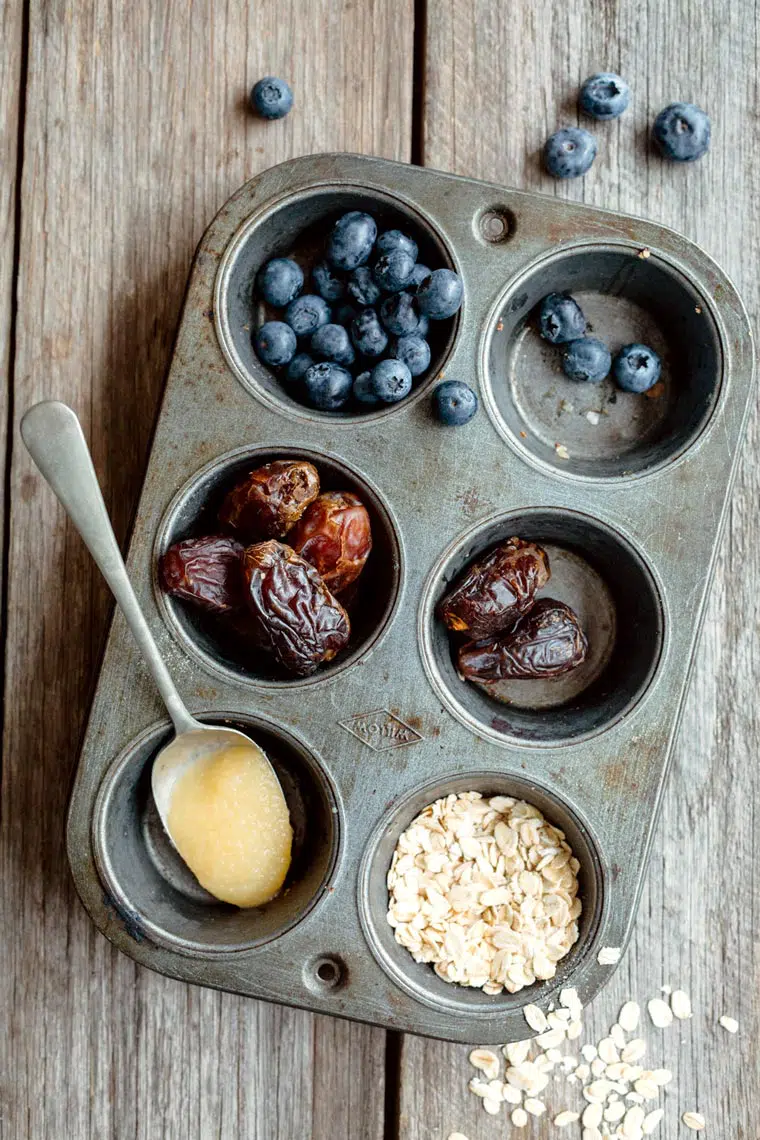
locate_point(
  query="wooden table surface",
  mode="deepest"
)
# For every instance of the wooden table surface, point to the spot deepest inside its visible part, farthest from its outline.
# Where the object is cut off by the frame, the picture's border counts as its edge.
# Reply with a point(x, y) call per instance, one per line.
point(124, 128)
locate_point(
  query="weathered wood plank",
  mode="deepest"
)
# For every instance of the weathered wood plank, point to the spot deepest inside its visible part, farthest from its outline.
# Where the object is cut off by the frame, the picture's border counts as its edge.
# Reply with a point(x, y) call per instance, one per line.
point(136, 133)
point(500, 78)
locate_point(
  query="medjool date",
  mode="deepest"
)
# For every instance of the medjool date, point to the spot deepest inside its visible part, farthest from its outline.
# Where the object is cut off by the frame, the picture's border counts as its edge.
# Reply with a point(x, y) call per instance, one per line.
point(334, 534)
point(296, 617)
point(205, 571)
point(496, 590)
point(546, 642)
point(270, 500)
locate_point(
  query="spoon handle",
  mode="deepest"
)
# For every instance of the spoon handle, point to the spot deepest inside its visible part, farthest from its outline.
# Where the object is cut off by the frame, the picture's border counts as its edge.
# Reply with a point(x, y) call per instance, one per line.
point(54, 438)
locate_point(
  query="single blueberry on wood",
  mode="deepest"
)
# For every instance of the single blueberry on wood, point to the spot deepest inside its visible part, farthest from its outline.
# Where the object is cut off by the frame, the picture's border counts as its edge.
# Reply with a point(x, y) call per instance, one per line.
point(682, 132)
point(569, 152)
point(271, 98)
point(605, 95)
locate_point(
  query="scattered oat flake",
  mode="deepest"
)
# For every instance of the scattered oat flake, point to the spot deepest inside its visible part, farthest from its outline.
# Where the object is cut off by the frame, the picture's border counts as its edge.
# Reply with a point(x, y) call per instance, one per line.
point(492, 1106)
point(511, 1095)
point(519, 1117)
point(666, 989)
point(634, 1051)
point(629, 1015)
point(536, 1018)
point(517, 1051)
point(523, 435)
point(609, 955)
point(618, 1036)
point(680, 1003)
point(534, 1107)
point(593, 418)
point(660, 1013)
point(486, 1061)
point(662, 1076)
point(567, 1116)
point(562, 451)
point(592, 1115)
point(592, 1134)
point(614, 1112)
point(645, 253)
point(729, 1023)
point(588, 1052)
point(694, 1120)
point(651, 1120)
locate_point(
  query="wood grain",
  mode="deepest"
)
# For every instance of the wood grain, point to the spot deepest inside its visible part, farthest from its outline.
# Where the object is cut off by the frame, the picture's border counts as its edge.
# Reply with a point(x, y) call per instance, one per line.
point(501, 78)
point(136, 132)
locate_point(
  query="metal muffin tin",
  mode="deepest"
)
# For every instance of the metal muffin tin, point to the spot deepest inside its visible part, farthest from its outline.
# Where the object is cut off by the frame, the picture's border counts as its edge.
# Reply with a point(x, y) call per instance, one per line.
point(631, 506)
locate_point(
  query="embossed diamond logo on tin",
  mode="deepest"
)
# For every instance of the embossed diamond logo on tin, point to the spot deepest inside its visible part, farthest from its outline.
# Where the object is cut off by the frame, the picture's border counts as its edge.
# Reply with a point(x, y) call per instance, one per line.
point(380, 730)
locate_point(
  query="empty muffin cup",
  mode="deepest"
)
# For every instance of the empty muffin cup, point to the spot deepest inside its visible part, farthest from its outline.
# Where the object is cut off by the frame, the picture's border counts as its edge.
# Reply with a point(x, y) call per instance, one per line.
point(612, 590)
point(596, 431)
point(371, 602)
point(419, 978)
point(154, 891)
point(296, 227)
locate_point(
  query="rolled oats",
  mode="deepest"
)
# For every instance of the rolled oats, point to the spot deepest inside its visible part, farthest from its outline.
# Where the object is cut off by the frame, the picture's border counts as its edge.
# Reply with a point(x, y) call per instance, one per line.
point(660, 1013)
point(519, 1118)
point(651, 1120)
point(486, 1061)
point(680, 1003)
point(567, 1116)
point(629, 1016)
point(729, 1023)
point(694, 1120)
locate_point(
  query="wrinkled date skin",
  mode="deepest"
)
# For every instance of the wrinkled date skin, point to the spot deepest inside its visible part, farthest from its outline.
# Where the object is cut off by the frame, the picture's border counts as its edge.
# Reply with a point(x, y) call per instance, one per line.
point(334, 534)
point(545, 643)
point(496, 590)
point(296, 617)
point(206, 571)
point(270, 500)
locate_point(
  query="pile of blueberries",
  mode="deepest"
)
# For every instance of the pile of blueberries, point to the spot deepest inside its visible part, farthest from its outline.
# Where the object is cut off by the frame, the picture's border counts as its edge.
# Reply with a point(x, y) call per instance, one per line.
point(361, 335)
point(635, 368)
point(681, 131)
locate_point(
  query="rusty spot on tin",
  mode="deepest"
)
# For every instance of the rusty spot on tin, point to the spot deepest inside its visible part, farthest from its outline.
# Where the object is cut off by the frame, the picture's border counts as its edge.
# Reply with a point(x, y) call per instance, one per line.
point(471, 501)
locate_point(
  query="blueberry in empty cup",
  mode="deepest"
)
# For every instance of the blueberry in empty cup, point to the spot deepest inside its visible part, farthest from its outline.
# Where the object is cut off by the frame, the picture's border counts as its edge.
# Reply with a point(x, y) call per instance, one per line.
point(440, 295)
point(560, 319)
point(569, 152)
point(368, 335)
point(327, 283)
point(279, 281)
point(682, 132)
point(394, 239)
point(393, 271)
point(307, 313)
point(332, 342)
point(636, 368)
point(455, 403)
point(399, 314)
point(275, 343)
point(328, 386)
point(351, 240)
point(391, 380)
point(414, 350)
point(587, 360)
point(271, 98)
point(605, 95)
point(362, 286)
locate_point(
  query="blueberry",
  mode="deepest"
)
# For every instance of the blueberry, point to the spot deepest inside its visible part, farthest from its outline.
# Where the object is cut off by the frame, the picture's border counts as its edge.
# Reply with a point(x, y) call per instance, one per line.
point(362, 287)
point(455, 403)
point(363, 390)
point(605, 95)
point(271, 98)
point(332, 342)
point(560, 319)
point(307, 313)
point(569, 153)
point(419, 273)
point(399, 314)
point(279, 282)
point(682, 132)
point(275, 343)
point(351, 240)
point(394, 239)
point(345, 314)
point(368, 335)
point(326, 283)
point(423, 325)
point(391, 380)
point(440, 295)
point(636, 368)
point(586, 359)
point(393, 270)
point(298, 367)
point(414, 350)
point(328, 385)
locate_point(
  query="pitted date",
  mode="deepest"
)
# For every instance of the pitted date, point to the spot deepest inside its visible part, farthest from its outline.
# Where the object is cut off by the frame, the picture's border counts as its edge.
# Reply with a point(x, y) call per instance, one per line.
point(206, 571)
point(334, 534)
point(546, 642)
point(296, 617)
point(270, 500)
point(496, 590)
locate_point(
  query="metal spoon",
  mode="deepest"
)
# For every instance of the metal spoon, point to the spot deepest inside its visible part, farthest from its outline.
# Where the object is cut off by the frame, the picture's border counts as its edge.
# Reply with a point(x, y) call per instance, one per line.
point(53, 435)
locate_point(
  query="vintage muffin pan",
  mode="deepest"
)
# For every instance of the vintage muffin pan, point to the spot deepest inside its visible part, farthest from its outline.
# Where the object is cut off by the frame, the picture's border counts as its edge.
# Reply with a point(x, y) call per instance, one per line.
point(629, 501)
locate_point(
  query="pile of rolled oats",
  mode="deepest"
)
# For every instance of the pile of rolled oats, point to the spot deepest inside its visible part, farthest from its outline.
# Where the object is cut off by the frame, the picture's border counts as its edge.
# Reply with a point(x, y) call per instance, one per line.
point(486, 890)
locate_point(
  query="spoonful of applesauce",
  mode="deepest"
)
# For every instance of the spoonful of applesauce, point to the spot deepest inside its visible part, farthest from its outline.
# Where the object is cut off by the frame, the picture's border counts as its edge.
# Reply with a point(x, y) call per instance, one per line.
point(218, 796)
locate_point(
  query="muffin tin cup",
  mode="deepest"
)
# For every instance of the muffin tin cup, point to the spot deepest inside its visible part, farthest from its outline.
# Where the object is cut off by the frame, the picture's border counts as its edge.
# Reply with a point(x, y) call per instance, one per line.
point(630, 507)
